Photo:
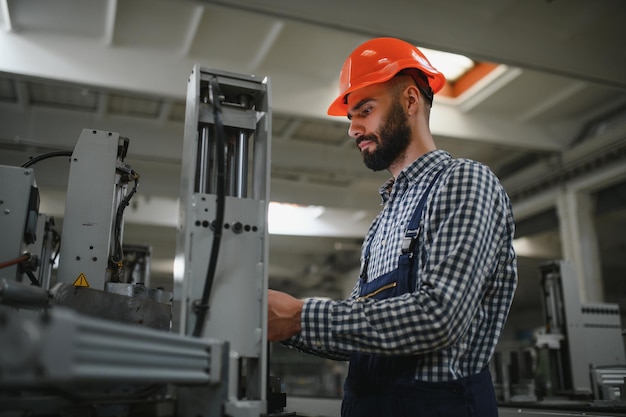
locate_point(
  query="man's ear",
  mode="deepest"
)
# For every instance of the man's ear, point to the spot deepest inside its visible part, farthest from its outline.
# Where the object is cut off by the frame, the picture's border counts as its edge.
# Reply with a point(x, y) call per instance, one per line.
point(413, 98)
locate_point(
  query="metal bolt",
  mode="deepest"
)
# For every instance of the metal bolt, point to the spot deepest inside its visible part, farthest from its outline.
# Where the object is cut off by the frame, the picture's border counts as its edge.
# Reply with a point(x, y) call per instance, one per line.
point(237, 227)
point(7, 211)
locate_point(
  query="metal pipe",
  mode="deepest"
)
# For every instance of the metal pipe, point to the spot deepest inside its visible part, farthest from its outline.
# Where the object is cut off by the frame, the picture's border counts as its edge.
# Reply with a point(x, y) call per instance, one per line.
point(203, 161)
point(241, 157)
point(241, 165)
point(15, 294)
point(231, 163)
point(213, 167)
point(97, 351)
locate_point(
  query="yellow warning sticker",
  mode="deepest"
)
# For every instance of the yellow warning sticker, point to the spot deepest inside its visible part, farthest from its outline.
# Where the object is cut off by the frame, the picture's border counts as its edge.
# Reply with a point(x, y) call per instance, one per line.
point(81, 281)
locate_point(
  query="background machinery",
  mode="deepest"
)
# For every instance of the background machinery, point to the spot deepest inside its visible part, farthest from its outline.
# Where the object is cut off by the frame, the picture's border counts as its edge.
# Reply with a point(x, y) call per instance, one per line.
point(575, 361)
point(91, 337)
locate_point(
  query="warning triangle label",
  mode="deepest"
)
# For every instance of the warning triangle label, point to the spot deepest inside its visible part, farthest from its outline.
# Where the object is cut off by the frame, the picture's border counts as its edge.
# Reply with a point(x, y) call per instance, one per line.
point(81, 281)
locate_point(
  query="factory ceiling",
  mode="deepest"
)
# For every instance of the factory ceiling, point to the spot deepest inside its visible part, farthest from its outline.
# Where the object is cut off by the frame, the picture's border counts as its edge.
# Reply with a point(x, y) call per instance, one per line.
point(552, 107)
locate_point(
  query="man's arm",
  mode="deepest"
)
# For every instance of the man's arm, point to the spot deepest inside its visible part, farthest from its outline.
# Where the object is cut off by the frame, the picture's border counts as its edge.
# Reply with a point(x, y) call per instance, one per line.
point(463, 238)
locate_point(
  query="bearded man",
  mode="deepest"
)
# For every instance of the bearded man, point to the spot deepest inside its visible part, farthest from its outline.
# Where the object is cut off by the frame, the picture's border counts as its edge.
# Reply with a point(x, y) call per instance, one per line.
point(438, 269)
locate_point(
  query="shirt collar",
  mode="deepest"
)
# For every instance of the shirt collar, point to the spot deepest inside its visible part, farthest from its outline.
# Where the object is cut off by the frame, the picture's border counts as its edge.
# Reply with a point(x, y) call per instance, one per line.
point(413, 172)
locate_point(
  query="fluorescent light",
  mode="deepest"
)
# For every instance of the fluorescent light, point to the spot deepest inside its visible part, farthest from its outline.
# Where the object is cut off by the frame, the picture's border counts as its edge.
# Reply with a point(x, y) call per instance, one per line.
point(295, 212)
point(453, 66)
point(286, 218)
point(178, 268)
point(541, 246)
point(302, 220)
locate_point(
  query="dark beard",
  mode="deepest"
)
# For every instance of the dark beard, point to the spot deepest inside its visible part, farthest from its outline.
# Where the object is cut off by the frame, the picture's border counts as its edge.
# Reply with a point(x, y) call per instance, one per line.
point(392, 141)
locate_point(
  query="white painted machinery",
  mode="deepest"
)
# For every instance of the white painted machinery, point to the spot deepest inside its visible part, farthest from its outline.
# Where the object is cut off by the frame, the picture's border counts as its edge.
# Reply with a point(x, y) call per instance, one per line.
point(577, 359)
point(93, 338)
point(583, 341)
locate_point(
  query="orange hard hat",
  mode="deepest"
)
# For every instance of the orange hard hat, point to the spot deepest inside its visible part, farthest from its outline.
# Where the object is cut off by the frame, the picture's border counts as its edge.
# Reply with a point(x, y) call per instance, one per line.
point(376, 61)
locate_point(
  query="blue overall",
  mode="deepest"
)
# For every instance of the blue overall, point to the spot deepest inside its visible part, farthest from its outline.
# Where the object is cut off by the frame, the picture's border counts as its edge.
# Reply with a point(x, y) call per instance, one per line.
point(385, 385)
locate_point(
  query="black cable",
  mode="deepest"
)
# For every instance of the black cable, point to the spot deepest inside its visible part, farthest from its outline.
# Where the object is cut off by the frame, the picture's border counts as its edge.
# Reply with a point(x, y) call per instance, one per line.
point(202, 308)
point(56, 245)
point(117, 257)
point(33, 279)
point(33, 161)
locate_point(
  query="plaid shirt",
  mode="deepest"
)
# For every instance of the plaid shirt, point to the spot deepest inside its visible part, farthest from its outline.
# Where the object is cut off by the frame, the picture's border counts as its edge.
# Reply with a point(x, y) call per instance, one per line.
point(467, 276)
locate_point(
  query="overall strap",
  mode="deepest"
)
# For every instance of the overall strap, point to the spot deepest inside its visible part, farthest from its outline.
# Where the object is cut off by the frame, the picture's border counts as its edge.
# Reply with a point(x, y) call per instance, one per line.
point(412, 230)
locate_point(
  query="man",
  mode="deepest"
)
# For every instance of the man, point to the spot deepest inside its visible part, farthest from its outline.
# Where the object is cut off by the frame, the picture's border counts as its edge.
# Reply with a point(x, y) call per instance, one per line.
point(438, 267)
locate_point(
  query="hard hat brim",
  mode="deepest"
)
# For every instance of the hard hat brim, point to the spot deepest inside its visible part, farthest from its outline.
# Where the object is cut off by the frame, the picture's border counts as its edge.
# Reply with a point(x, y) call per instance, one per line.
point(339, 107)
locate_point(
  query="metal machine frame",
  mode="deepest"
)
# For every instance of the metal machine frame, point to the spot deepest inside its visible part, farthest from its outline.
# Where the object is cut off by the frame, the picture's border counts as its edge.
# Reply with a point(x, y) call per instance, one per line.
point(577, 356)
point(244, 118)
point(87, 341)
point(19, 205)
point(96, 164)
point(578, 333)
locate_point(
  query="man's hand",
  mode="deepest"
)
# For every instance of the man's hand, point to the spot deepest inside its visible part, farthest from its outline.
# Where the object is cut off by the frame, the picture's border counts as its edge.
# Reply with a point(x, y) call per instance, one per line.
point(283, 315)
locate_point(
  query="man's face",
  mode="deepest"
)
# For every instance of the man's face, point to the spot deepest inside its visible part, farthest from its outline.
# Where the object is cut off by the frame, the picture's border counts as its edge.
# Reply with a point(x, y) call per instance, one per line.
point(390, 143)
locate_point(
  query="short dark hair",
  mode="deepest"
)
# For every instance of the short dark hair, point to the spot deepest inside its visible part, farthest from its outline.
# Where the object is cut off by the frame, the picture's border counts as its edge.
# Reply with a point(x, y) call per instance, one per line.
point(421, 82)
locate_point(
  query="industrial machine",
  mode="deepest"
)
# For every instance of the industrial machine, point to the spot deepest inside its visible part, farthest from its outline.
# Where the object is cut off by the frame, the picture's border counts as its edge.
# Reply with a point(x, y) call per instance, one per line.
point(92, 338)
point(576, 360)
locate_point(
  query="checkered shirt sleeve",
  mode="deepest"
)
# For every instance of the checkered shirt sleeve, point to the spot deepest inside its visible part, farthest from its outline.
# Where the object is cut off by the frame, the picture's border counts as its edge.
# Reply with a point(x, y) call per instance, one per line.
point(465, 282)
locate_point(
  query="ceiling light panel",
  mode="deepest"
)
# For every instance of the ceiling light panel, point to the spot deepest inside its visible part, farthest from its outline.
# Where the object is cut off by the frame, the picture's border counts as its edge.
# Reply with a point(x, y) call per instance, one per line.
point(453, 66)
point(322, 133)
point(54, 95)
point(124, 105)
